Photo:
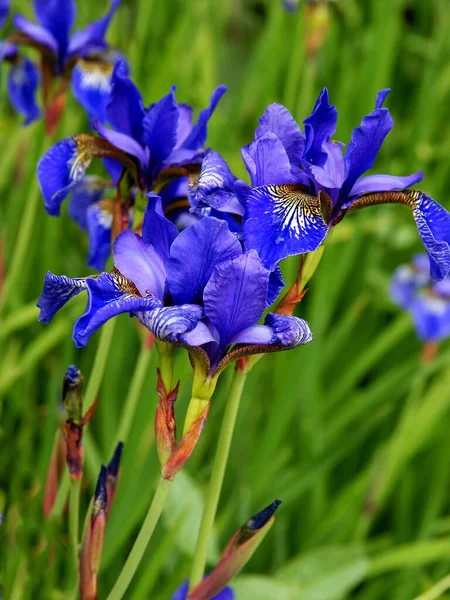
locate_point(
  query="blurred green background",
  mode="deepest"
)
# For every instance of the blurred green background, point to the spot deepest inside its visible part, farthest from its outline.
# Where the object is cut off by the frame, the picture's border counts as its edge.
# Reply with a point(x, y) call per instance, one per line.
point(352, 431)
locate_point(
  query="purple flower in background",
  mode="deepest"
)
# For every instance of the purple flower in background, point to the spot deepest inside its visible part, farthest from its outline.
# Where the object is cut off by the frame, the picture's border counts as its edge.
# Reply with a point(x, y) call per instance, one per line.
point(182, 593)
point(427, 301)
point(85, 54)
point(302, 184)
point(138, 148)
point(197, 288)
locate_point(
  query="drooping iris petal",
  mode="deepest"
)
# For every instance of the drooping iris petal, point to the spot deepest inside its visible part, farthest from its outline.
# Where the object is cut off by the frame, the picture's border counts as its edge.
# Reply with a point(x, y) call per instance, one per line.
point(58, 290)
point(276, 284)
point(91, 86)
point(283, 221)
point(108, 296)
point(125, 110)
point(267, 161)
point(366, 141)
point(197, 137)
point(160, 128)
point(215, 187)
point(99, 227)
point(140, 263)
point(236, 295)
point(185, 122)
point(35, 32)
point(194, 255)
point(57, 16)
point(88, 191)
point(59, 170)
point(278, 120)
point(319, 127)
point(92, 37)
point(375, 183)
point(156, 229)
point(182, 592)
point(169, 323)
point(288, 332)
point(22, 83)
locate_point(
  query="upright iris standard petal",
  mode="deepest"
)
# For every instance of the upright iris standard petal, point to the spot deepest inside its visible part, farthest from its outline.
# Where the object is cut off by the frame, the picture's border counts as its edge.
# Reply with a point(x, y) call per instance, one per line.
point(99, 226)
point(366, 141)
point(40, 35)
point(22, 83)
point(108, 296)
point(387, 183)
point(235, 296)
point(160, 128)
point(267, 161)
point(125, 110)
point(185, 123)
point(156, 229)
point(278, 120)
point(194, 255)
point(59, 171)
point(197, 137)
point(215, 187)
point(169, 323)
point(282, 221)
point(319, 127)
point(57, 16)
point(58, 290)
point(91, 86)
point(276, 284)
point(92, 38)
point(140, 263)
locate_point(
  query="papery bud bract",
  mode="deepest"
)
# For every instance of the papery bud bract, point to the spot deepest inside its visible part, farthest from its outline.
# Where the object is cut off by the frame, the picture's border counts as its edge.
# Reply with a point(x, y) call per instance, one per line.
point(165, 425)
point(113, 475)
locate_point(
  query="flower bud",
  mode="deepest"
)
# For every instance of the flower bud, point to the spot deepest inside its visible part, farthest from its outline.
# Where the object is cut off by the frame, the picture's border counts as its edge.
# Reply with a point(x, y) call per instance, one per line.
point(113, 470)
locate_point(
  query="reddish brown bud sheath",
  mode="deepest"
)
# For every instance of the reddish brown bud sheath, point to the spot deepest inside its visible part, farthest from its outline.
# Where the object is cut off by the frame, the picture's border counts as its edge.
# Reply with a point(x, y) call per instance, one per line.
point(165, 425)
point(73, 436)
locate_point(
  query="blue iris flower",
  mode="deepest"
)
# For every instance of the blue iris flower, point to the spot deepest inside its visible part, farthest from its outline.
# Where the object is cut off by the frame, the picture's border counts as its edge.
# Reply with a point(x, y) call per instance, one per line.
point(150, 139)
point(85, 54)
point(197, 288)
point(427, 301)
point(182, 593)
point(302, 184)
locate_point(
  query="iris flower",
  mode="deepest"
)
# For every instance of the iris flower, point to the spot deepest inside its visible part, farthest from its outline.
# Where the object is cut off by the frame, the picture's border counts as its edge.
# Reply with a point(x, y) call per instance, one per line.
point(182, 593)
point(197, 288)
point(84, 56)
point(427, 301)
point(302, 184)
point(140, 146)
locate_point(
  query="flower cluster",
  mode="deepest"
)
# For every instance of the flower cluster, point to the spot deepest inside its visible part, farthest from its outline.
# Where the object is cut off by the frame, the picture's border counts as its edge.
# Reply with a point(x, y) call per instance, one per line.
point(426, 300)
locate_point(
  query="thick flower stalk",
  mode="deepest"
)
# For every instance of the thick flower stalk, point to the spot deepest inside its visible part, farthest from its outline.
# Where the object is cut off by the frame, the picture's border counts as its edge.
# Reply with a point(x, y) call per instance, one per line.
point(83, 60)
point(143, 149)
point(302, 185)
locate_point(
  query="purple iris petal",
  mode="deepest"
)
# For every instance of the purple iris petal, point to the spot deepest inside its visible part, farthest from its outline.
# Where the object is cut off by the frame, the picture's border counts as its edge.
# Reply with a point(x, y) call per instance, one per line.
point(182, 592)
point(215, 186)
point(125, 110)
point(194, 255)
point(160, 128)
point(106, 299)
point(4, 10)
point(203, 333)
point(88, 191)
point(156, 229)
point(170, 323)
point(92, 38)
point(57, 16)
point(431, 317)
point(91, 86)
point(404, 286)
point(255, 334)
point(319, 127)
point(364, 146)
point(197, 137)
point(140, 263)
point(278, 120)
point(288, 331)
point(124, 142)
point(185, 123)
point(37, 33)
point(276, 284)
point(58, 290)
point(282, 222)
point(99, 227)
point(235, 296)
point(433, 224)
point(22, 83)
point(59, 170)
point(267, 161)
point(386, 183)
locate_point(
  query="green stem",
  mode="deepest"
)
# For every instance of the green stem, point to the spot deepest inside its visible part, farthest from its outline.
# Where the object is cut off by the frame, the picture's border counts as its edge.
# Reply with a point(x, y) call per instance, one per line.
point(98, 368)
point(218, 472)
point(61, 496)
point(74, 518)
point(134, 391)
point(142, 541)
